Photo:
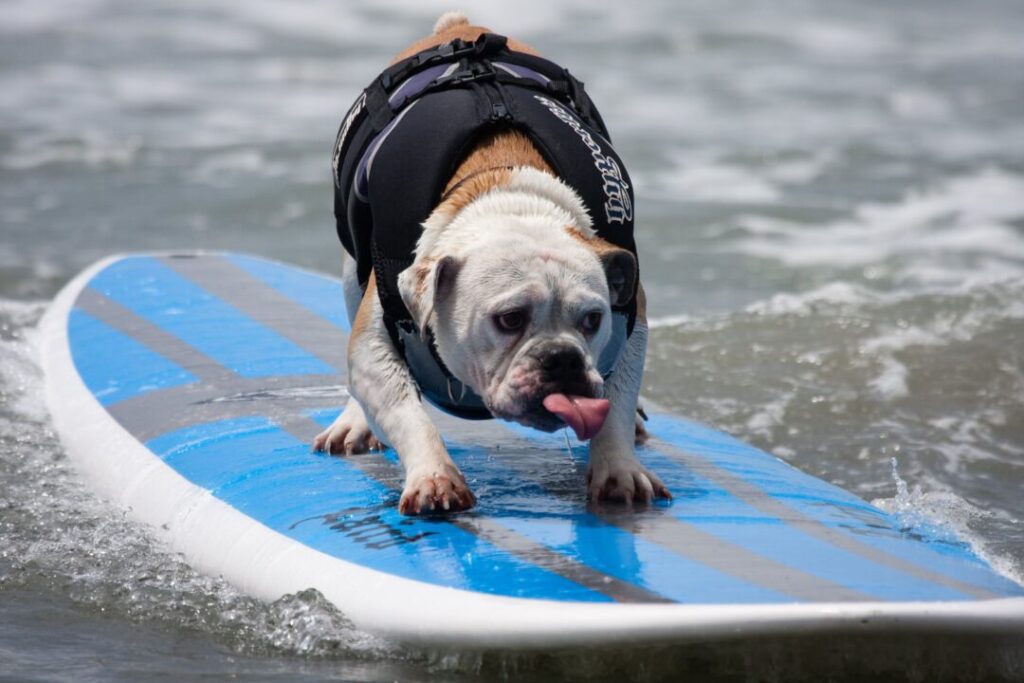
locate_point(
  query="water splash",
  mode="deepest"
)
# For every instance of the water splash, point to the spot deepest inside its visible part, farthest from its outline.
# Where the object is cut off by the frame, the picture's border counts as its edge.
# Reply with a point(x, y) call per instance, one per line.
point(55, 536)
point(943, 516)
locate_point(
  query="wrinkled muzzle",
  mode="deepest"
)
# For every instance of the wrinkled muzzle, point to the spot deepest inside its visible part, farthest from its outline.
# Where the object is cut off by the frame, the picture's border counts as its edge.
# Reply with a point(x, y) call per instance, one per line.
point(552, 386)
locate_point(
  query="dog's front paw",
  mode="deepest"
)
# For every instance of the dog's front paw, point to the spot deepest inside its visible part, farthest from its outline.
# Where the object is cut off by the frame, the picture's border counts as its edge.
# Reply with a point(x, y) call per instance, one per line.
point(624, 480)
point(436, 489)
point(348, 434)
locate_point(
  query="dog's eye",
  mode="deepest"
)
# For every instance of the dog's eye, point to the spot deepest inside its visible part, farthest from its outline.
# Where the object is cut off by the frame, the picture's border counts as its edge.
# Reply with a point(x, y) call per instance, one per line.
point(511, 321)
point(591, 321)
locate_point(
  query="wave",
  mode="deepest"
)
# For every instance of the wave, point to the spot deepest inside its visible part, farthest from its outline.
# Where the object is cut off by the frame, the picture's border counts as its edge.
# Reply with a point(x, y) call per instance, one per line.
point(964, 227)
point(842, 378)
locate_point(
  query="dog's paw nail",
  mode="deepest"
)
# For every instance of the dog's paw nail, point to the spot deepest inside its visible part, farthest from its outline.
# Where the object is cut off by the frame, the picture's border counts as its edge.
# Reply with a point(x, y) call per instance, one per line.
point(437, 491)
point(627, 483)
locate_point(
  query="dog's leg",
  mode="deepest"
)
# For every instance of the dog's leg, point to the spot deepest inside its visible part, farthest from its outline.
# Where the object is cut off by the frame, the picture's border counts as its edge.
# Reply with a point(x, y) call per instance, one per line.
point(614, 472)
point(379, 379)
point(349, 433)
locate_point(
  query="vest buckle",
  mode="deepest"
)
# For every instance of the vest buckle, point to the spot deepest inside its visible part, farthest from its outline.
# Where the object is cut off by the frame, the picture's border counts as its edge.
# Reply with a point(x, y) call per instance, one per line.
point(470, 70)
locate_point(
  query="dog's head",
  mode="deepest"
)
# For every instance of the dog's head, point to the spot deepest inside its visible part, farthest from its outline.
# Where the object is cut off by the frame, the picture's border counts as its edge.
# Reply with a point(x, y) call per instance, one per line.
point(519, 300)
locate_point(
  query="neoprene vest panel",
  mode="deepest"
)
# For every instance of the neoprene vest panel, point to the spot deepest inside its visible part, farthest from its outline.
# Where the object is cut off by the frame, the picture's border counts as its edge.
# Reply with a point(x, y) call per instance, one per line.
point(403, 139)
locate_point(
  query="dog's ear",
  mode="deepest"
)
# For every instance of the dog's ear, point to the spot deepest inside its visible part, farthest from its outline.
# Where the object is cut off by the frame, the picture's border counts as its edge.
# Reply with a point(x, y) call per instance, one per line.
point(620, 268)
point(426, 283)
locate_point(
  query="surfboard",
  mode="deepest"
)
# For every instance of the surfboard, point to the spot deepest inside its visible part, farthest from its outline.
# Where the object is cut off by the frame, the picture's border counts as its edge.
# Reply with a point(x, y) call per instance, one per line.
point(188, 389)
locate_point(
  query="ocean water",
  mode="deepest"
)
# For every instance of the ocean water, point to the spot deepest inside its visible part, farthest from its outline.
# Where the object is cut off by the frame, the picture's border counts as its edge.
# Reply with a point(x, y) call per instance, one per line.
point(830, 203)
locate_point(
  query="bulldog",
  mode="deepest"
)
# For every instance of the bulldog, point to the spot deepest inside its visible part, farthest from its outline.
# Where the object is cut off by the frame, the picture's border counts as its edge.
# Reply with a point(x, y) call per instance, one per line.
point(517, 293)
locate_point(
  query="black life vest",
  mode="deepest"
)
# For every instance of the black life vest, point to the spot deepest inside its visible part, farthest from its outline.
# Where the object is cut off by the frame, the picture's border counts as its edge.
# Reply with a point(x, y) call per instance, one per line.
point(404, 137)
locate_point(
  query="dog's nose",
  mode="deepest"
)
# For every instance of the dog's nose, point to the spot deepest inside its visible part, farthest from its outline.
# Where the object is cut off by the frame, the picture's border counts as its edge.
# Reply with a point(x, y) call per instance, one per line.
point(562, 364)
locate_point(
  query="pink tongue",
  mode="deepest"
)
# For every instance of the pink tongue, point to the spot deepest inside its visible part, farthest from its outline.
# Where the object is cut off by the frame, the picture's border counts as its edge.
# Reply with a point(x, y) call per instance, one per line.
point(584, 415)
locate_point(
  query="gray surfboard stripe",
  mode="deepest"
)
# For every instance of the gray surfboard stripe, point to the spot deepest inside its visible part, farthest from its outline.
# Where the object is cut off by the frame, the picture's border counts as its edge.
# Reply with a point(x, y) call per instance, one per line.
point(260, 301)
point(220, 393)
point(689, 541)
point(264, 304)
point(162, 342)
point(391, 475)
point(158, 412)
point(686, 540)
point(758, 499)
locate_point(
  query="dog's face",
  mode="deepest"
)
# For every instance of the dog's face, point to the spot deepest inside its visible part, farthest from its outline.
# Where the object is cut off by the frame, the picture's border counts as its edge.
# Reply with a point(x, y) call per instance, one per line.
point(521, 312)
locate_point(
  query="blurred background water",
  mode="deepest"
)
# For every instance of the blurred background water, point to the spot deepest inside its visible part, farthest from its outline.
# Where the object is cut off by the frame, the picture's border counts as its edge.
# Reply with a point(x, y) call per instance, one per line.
point(831, 220)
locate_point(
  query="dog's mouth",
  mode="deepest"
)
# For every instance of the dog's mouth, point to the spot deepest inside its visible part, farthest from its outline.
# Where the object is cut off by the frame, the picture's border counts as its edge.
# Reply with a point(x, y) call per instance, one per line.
point(552, 405)
point(583, 414)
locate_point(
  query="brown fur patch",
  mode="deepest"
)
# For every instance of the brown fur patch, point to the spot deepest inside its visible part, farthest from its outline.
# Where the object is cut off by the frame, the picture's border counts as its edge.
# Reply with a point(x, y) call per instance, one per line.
point(601, 246)
point(487, 166)
point(364, 315)
point(498, 151)
point(361, 325)
point(472, 188)
point(641, 303)
point(598, 245)
point(421, 271)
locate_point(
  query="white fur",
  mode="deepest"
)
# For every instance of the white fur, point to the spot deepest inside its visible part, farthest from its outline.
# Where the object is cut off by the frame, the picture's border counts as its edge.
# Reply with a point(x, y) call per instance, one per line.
point(512, 237)
point(449, 19)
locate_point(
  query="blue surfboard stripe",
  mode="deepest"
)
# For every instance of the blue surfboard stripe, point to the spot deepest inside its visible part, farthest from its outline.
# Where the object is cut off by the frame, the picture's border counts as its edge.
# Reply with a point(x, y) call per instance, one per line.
point(590, 541)
point(240, 460)
point(738, 458)
point(315, 293)
point(773, 538)
point(126, 368)
point(158, 294)
point(963, 565)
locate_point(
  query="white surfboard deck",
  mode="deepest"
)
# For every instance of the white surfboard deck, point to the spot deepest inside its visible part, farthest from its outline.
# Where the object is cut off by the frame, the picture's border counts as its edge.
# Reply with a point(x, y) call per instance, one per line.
point(188, 388)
